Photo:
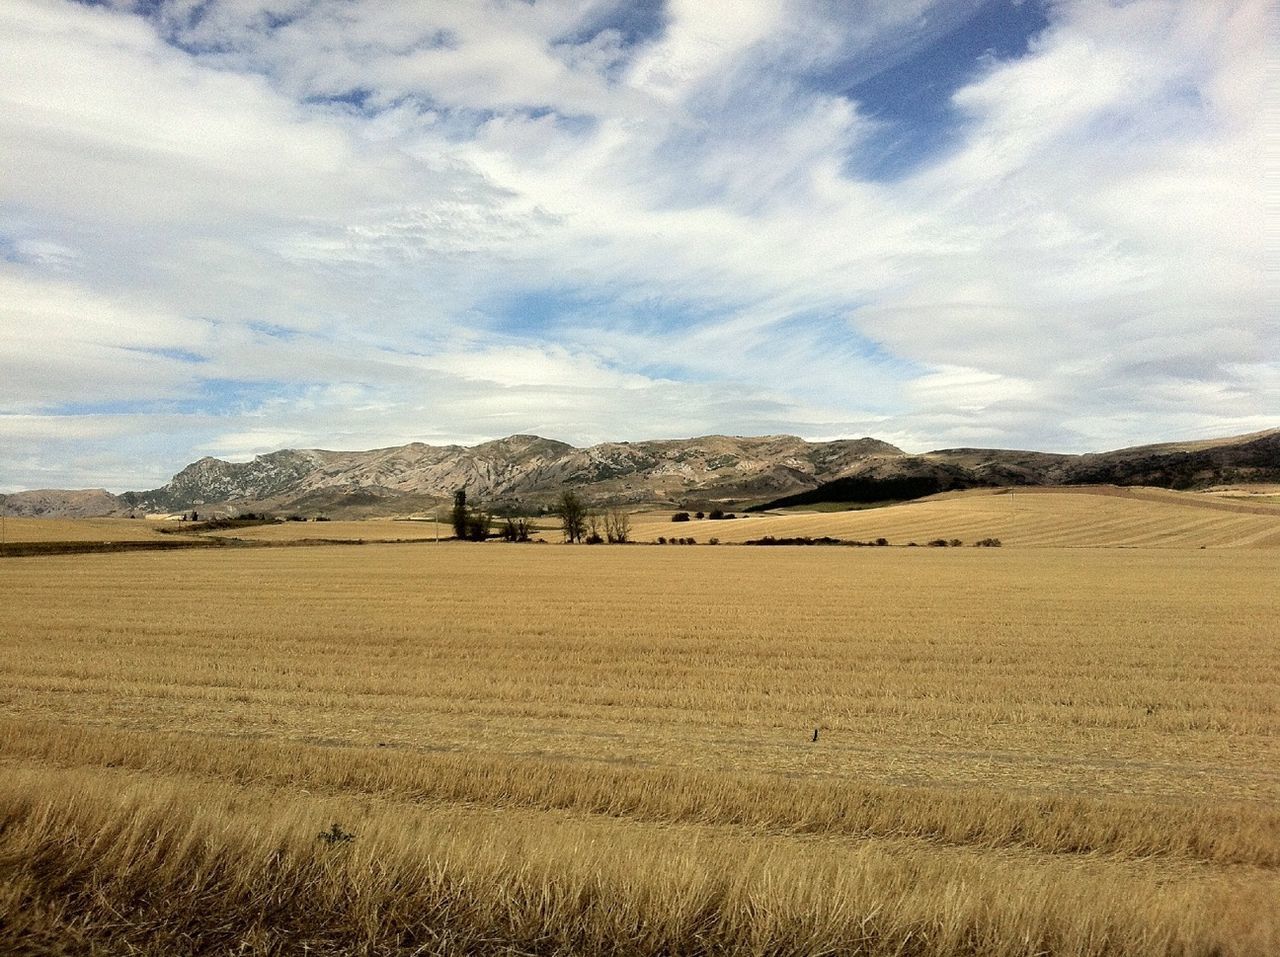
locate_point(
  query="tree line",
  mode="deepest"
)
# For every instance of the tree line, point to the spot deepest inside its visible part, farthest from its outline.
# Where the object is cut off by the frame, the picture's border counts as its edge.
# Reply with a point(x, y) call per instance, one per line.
point(579, 522)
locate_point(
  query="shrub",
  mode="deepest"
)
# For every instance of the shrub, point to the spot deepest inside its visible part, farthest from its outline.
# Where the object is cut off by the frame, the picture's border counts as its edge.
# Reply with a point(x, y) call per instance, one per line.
point(938, 543)
point(699, 516)
point(987, 543)
point(662, 539)
point(955, 543)
point(882, 541)
point(714, 541)
point(680, 517)
point(716, 515)
point(335, 835)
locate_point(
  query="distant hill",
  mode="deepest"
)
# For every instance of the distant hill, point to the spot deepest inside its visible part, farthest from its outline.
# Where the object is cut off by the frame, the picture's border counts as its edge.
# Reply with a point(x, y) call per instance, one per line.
point(1238, 459)
point(1103, 516)
point(526, 472)
point(64, 503)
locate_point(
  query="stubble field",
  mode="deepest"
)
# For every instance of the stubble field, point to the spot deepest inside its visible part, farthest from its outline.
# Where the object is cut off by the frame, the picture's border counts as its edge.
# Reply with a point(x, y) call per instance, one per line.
point(551, 749)
point(1083, 516)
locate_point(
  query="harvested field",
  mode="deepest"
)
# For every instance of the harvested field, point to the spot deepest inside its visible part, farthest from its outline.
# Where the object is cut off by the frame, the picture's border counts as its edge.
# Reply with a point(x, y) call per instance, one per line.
point(554, 749)
point(1049, 517)
point(369, 530)
point(84, 530)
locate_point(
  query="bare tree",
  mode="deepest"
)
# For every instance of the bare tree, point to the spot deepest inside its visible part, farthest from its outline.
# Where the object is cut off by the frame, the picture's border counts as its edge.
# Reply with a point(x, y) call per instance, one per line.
point(593, 528)
point(617, 526)
point(573, 516)
point(516, 529)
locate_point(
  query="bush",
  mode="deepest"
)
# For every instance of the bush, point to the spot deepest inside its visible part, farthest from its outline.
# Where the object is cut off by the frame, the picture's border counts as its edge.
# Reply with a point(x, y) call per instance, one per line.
point(699, 516)
point(716, 515)
point(662, 539)
point(321, 518)
point(335, 835)
point(955, 543)
point(680, 517)
point(882, 541)
point(938, 543)
point(714, 541)
point(987, 543)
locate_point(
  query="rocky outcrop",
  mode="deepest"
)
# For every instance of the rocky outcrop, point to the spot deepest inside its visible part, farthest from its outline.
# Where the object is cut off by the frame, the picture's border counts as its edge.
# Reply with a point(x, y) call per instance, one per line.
point(527, 471)
point(517, 470)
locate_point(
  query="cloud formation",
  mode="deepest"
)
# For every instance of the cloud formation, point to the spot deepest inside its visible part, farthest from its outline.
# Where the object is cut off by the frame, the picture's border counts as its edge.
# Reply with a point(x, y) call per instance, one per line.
point(235, 225)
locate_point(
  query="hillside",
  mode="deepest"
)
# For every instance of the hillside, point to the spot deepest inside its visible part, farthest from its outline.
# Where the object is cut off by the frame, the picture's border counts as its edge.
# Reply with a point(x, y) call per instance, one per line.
point(519, 471)
point(1194, 465)
point(63, 503)
point(527, 473)
point(1103, 516)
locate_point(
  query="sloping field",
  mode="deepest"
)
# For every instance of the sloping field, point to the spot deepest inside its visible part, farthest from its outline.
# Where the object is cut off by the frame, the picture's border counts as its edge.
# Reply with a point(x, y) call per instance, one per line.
point(609, 750)
point(1089, 516)
point(369, 530)
point(82, 530)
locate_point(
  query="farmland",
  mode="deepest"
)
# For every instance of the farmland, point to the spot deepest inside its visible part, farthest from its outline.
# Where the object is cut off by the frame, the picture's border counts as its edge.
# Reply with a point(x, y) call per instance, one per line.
point(1044, 517)
point(552, 749)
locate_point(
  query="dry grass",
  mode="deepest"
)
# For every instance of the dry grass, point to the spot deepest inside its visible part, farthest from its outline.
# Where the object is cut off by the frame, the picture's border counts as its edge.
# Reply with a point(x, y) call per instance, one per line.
point(240, 870)
point(1103, 516)
point(549, 749)
point(83, 530)
point(369, 530)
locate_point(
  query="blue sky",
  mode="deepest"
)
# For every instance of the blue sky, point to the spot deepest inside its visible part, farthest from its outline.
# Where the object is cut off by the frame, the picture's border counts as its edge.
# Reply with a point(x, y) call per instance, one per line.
point(229, 226)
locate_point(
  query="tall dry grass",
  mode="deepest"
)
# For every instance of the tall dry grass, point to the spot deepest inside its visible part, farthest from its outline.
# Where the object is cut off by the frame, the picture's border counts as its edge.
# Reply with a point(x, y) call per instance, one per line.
point(1245, 833)
point(157, 868)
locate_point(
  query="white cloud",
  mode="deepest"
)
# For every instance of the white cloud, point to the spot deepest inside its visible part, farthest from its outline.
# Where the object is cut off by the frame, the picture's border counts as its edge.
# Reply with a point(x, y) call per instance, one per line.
point(351, 219)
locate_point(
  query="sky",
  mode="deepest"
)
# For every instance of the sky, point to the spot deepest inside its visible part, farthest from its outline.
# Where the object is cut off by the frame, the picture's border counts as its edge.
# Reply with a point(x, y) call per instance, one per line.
point(233, 226)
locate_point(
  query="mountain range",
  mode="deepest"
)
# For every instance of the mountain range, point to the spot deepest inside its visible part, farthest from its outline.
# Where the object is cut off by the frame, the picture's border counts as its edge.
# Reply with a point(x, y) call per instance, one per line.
point(527, 473)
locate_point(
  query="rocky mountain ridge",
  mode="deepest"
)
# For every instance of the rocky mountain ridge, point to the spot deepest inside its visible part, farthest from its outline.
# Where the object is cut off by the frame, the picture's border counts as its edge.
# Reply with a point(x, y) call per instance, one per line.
point(527, 472)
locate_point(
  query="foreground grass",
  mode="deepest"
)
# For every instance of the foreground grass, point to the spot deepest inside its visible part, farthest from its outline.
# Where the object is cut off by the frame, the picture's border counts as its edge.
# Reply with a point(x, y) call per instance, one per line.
point(147, 866)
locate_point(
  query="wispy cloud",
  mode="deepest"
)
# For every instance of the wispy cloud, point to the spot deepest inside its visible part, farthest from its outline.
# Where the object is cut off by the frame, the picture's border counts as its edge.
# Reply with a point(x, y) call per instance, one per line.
point(234, 224)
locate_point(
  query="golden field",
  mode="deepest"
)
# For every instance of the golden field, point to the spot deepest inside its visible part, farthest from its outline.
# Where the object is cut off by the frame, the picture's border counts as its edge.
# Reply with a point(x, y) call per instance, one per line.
point(83, 530)
point(1048, 517)
point(548, 749)
point(368, 530)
